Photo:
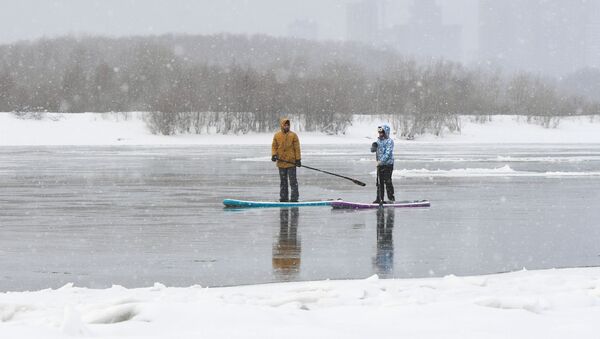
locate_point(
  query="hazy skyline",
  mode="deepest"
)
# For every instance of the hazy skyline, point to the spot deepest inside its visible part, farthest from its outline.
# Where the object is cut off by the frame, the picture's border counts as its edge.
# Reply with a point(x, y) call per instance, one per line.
point(33, 19)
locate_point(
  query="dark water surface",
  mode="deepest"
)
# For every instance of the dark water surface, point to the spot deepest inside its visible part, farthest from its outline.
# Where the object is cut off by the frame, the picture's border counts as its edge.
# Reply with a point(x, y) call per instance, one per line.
point(132, 216)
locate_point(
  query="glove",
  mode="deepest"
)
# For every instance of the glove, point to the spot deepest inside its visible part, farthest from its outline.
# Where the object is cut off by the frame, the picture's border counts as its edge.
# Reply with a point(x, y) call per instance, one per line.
point(374, 147)
point(298, 163)
point(274, 158)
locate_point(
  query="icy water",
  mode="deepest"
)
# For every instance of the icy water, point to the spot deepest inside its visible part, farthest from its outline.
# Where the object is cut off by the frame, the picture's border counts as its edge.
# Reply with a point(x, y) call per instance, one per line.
point(132, 216)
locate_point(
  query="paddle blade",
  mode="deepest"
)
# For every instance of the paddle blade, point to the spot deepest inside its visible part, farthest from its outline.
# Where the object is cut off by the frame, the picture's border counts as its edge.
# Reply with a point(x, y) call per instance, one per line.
point(359, 183)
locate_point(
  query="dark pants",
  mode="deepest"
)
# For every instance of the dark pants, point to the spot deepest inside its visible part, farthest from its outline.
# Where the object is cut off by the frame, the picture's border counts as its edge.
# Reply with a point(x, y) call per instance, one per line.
point(284, 174)
point(385, 182)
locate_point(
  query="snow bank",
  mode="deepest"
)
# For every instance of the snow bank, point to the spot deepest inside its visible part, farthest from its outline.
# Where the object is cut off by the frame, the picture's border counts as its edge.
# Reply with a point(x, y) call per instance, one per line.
point(112, 129)
point(536, 304)
point(515, 129)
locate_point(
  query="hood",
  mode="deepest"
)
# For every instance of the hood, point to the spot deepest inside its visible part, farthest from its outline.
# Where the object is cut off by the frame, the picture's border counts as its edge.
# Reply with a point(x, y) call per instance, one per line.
point(282, 122)
point(387, 129)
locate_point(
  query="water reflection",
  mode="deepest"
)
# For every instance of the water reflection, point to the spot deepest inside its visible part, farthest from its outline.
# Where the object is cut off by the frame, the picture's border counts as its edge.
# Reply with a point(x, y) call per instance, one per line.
point(287, 248)
point(384, 257)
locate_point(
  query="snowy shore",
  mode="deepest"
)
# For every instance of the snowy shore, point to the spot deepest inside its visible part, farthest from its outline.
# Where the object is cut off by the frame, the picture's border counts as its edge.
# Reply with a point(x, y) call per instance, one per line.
point(561, 303)
point(109, 129)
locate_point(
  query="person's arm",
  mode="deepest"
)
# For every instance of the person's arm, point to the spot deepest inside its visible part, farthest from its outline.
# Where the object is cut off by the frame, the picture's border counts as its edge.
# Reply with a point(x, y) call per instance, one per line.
point(274, 147)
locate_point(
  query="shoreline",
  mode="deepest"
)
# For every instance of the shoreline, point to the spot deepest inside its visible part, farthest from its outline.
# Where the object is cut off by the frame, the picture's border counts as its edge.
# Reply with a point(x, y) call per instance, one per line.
point(102, 129)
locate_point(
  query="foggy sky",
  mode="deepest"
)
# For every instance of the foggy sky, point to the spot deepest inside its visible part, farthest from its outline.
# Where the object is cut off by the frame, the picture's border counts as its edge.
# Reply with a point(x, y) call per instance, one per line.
point(27, 19)
point(32, 19)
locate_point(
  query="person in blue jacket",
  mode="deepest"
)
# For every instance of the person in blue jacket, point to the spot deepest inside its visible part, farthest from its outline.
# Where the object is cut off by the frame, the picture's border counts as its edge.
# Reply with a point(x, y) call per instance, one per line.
point(384, 149)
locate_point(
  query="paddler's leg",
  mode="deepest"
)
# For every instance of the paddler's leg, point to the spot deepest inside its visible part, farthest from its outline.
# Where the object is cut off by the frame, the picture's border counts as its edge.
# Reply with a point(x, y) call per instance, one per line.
point(293, 184)
point(381, 186)
point(389, 186)
point(283, 184)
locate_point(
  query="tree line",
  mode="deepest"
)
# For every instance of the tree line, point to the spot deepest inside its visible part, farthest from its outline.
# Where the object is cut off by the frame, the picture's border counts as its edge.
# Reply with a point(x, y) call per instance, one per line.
point(243, 84)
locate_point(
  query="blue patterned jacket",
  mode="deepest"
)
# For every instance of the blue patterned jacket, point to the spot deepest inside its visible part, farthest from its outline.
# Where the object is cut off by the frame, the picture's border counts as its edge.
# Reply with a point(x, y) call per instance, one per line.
point(385, 148)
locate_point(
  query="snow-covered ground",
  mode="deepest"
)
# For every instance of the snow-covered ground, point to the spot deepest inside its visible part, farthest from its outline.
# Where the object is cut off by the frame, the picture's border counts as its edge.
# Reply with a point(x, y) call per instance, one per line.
point(561, 303)
point(109, 129)
point(527, 304)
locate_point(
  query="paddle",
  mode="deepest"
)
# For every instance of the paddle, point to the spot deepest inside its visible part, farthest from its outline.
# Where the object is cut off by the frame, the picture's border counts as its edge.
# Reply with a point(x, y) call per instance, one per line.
point(360, 183)
point(379, 192)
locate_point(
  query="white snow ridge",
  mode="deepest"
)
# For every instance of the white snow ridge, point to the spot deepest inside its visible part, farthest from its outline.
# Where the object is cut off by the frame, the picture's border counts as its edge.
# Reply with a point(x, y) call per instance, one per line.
point(527, 304)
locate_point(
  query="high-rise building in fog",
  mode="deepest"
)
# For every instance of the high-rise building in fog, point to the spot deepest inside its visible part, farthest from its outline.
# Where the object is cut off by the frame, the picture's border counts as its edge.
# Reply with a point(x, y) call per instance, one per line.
point(592, 50)
point(503, 35)
point(544, 36)
point(303, 29)
point(426, 35)
point(363, 21)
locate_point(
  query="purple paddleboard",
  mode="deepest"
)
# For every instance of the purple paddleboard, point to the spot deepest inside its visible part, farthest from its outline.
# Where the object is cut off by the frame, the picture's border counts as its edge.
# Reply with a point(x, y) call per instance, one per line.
point(397, 204)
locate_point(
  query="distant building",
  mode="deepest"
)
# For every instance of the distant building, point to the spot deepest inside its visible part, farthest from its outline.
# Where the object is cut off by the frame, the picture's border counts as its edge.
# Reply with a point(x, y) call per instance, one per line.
point(425, 35)
point(592, 48)
point(304, 29)
point(545, 36)
point(504, 38)
point(363, 21)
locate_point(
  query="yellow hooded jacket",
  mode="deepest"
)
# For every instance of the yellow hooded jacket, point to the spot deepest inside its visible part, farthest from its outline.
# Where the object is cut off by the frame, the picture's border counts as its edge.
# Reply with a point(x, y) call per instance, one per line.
point(286, 146)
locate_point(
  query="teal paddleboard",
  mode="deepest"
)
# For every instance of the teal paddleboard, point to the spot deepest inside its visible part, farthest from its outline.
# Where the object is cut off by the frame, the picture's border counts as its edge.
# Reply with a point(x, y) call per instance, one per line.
point(233, 203)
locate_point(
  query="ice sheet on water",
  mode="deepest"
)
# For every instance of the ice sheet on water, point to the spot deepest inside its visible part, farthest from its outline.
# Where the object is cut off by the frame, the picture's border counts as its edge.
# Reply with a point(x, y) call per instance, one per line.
point(252, 159)
point(504, 171)
point(500, 159)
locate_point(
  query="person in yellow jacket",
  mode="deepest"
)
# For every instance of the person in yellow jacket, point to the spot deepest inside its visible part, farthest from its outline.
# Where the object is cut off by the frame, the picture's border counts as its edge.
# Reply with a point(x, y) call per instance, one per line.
point(285, 150)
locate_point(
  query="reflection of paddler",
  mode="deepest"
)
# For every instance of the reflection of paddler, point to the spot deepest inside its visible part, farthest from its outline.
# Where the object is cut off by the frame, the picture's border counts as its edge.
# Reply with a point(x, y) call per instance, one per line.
point(384, 258)
point(286, 251)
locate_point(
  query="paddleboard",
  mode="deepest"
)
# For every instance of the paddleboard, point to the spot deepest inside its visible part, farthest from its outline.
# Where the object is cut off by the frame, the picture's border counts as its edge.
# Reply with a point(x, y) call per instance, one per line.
point(339, 204)
point(234, 203)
